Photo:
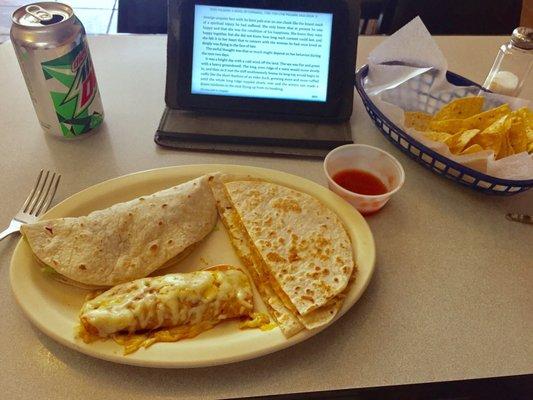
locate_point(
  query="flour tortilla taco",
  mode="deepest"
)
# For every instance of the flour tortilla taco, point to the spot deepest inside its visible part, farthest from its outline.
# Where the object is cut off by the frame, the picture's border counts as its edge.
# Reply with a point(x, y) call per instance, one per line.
point(127, 240)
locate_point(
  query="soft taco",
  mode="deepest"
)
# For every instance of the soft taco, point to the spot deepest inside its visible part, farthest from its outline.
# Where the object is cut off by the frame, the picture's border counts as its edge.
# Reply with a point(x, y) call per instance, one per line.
point(127, 240)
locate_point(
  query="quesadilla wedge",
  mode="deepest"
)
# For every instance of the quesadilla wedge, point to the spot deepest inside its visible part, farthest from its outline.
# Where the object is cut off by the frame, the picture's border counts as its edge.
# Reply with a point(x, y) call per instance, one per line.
point(302, 243)
point(166, 308)
point(251, 207)
point(286, 320)
point(127, 240)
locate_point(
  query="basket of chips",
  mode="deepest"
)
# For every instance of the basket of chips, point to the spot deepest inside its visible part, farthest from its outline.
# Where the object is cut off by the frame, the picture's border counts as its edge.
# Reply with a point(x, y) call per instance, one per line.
point(479, 132)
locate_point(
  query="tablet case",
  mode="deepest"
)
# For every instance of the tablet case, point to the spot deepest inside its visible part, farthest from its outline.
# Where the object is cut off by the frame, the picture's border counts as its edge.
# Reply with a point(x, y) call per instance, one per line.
point(187, 130)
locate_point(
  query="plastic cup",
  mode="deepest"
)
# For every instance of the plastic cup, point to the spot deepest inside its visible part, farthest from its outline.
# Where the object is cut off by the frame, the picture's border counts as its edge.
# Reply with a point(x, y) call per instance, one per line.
point(369, 159)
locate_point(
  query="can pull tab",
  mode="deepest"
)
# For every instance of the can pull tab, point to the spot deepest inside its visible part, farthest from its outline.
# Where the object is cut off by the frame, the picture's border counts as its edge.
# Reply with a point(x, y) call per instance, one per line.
point(38, 13)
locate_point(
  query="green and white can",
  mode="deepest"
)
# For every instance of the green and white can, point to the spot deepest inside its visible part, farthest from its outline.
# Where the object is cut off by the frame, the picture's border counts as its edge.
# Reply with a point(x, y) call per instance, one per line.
point(51, 47)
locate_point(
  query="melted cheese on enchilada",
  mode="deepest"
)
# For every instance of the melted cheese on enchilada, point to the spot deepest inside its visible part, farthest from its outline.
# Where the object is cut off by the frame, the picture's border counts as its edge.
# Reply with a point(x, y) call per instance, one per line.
point(194, 301)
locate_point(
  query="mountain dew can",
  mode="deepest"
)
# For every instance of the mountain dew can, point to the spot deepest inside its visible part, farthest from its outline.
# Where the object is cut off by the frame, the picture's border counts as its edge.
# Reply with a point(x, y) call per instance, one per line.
point(51, 47)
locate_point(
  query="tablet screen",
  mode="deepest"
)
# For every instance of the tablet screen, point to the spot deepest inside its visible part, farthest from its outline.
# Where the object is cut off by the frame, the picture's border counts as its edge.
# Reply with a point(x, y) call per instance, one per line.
point(251, 52)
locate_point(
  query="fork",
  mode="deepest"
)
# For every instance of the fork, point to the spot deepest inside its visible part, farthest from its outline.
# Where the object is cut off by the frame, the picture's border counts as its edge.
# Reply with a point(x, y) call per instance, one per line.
point(37, 202)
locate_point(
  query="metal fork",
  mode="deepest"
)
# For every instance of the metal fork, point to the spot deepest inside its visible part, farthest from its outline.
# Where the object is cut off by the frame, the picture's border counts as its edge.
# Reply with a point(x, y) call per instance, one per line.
point(38, 202)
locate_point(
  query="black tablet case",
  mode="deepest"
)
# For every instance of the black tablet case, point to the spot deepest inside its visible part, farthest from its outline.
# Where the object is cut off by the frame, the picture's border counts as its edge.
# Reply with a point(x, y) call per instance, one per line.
point(188, 130)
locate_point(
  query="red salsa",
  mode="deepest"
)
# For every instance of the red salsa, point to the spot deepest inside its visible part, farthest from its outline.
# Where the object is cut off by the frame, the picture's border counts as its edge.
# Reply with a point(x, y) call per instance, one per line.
point(361, 182)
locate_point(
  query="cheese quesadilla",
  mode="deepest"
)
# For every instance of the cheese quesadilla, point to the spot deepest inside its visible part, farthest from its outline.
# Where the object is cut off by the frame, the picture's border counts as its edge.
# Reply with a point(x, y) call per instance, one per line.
point(302, 242)
point(286, 320)
point(296, 249)
point(167, 308)
point(127, 240)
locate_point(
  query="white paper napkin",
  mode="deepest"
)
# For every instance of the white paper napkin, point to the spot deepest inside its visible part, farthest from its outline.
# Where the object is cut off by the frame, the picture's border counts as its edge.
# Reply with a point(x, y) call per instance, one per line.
point(411, 46)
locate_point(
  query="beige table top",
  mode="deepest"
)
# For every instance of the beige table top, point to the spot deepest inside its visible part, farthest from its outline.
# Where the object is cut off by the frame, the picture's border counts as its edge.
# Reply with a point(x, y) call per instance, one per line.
point(452, 296)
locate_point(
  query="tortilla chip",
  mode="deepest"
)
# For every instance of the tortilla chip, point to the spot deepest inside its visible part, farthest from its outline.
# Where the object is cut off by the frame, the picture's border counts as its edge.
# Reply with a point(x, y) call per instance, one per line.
point(529, 134)
point(517, 136)
point(417, 120)
point(458, 142)
point(462, 126)
point(451, 126)
point(506, 149)
point(461, 108)
point(475, 148)
point(492, 137)
point(487, 118)
point(437, 136)
point(501, 126)
point(526, 115)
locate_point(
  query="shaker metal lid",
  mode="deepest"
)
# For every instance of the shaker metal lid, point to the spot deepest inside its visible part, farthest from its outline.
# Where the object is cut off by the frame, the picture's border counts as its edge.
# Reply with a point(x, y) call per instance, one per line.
point(523, 38)
point(41, 14)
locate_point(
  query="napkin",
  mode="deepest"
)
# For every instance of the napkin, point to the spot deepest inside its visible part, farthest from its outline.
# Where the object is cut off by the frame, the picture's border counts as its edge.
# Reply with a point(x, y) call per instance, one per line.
point(411, 51)
point(407, 72)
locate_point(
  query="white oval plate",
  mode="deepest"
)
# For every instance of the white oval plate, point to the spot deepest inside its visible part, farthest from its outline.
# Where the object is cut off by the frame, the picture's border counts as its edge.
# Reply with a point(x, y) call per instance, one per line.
point(53, 307)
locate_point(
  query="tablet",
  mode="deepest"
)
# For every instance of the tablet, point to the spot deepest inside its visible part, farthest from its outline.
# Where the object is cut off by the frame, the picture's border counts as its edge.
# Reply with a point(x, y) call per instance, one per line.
point(290, 59)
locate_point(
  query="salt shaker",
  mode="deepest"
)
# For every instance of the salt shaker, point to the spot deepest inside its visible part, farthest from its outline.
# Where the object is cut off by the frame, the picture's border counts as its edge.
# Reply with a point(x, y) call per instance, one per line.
point(512, 64)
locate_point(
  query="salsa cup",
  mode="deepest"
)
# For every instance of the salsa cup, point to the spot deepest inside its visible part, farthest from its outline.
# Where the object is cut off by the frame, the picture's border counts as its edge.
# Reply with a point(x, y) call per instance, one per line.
point(369, 159)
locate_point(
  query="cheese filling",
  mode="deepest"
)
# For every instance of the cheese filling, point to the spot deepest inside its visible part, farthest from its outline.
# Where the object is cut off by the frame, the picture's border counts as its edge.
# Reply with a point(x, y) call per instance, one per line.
point(191, 299)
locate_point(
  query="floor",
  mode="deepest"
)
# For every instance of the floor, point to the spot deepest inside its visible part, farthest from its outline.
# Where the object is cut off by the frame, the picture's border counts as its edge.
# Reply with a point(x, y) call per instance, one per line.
point(98, 16)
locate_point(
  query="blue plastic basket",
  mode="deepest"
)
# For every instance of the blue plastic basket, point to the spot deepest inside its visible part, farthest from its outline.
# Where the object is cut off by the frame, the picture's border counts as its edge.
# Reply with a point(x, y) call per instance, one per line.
point(432, 160)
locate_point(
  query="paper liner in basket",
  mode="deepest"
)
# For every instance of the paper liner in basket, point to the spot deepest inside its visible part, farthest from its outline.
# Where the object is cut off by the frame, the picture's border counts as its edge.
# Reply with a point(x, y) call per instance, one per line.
point(407, 72)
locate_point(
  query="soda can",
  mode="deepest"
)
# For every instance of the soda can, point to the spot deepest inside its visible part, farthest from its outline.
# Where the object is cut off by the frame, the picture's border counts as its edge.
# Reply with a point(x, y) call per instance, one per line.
point(51, 47)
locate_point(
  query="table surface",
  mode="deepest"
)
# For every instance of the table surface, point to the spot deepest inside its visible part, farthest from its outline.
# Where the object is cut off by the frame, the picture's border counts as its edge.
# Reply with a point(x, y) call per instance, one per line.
point(451, 298)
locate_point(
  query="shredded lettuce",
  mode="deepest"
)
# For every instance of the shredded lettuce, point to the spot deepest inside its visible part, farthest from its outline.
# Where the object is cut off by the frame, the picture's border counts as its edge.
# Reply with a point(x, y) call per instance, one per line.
point(47, 270)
